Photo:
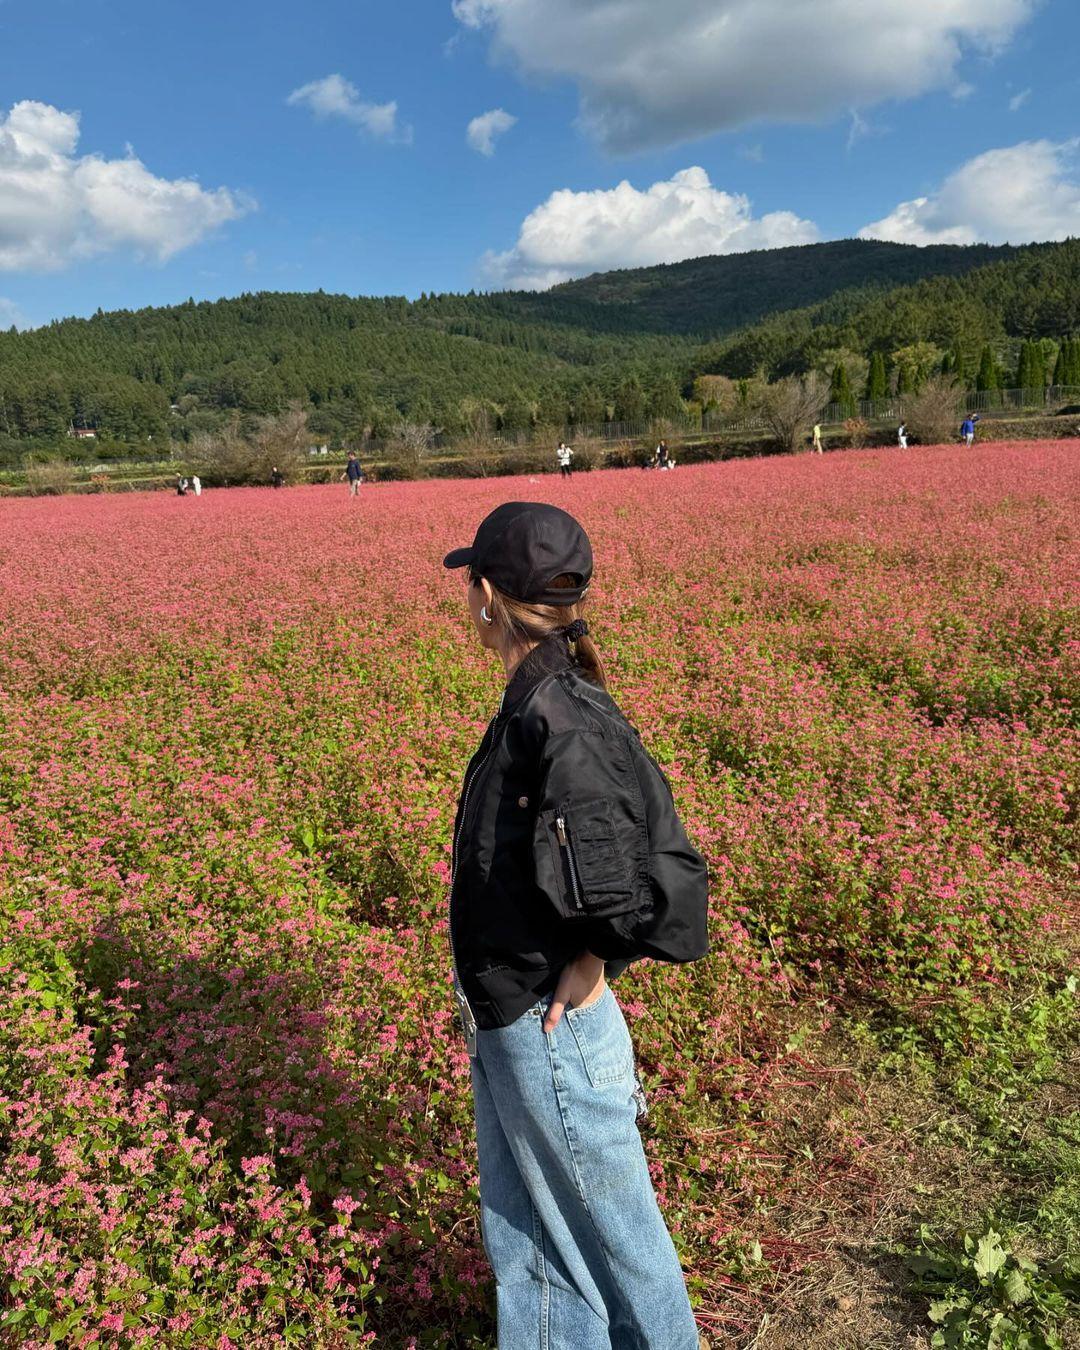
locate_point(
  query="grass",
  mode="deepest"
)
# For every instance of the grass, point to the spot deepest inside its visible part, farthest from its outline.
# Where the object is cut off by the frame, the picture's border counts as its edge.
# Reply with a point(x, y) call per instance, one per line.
point(967, 1230)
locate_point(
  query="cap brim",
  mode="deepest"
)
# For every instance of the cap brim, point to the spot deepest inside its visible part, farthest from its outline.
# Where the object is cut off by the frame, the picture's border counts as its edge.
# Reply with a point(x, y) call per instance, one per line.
point(458, 557)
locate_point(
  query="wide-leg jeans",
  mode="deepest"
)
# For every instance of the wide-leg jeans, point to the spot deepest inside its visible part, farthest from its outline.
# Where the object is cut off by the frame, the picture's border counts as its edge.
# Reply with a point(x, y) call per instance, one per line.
point(582, 1257)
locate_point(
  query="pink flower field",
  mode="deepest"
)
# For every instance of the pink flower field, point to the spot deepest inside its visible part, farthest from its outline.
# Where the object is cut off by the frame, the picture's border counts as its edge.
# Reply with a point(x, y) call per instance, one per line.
point(234, 1107)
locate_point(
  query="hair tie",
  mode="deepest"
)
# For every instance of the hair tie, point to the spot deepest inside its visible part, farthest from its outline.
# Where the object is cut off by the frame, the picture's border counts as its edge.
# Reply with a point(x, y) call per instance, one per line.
point(575, 630)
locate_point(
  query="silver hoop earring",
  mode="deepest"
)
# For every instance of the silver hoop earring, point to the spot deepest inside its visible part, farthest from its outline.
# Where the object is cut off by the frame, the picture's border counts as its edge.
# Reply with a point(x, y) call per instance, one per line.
point(484, 615)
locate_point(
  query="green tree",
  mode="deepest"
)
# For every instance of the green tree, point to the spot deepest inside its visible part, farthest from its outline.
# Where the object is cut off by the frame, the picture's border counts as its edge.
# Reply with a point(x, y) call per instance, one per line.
point(590, 406)
point(516, 413)
point(1030, 371)
point(987, 376)
point(877, 385)
point(840, 391)
point(666, 400)
point(1072, 368)
point(629, 401)
point(919, 360)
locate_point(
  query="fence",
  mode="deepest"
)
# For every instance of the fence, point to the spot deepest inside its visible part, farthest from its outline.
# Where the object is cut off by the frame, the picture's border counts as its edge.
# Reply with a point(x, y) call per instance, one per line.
point(891, 409)
point(1054, 399)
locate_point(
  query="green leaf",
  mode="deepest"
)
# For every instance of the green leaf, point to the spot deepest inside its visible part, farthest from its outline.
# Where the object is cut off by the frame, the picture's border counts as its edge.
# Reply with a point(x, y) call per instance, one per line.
point(990, 1256)
point(1017, 1289)
point(938, 1311)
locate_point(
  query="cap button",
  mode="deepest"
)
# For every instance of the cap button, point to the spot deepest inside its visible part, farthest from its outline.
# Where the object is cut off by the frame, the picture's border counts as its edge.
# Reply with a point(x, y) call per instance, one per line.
point(523, 801)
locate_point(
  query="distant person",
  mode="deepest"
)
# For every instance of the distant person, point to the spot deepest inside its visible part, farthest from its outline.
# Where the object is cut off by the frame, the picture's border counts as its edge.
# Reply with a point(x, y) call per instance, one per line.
point(277, 478)
point(565, 456)
point(901, 435)
point(354, 473)
point(817, 438)
point(196, 484)
point(967, 430)
point(661, 456)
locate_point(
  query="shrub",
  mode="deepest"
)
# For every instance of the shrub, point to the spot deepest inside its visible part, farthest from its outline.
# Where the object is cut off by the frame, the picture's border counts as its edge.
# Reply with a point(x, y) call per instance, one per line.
point(239, 455)
point(933, 413)
point(49, 477)
point(857, 431)
point(409, 449)
point(789, 408)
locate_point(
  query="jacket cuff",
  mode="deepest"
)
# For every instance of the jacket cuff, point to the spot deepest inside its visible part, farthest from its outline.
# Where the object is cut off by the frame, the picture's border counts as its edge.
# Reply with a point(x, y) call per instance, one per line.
point(603, 941)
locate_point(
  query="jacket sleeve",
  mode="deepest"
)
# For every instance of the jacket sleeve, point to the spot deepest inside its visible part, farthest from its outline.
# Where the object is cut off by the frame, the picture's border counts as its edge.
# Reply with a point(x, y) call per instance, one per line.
point(677, 927)
point(611, 857)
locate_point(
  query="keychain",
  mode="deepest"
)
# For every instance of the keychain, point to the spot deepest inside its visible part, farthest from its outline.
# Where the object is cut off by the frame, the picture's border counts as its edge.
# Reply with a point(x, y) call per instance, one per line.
point(465, 1014)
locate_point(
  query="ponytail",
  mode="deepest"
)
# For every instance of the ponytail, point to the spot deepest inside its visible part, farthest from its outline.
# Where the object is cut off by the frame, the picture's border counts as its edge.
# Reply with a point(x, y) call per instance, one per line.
point(587, 659)
point(526, 624)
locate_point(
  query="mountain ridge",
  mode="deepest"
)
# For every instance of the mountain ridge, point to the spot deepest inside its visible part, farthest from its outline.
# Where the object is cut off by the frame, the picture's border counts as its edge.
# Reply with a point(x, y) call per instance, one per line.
point(625, 343)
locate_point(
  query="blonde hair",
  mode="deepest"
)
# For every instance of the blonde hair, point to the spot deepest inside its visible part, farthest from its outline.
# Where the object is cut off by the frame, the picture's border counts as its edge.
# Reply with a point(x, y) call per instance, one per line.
point(525, 624)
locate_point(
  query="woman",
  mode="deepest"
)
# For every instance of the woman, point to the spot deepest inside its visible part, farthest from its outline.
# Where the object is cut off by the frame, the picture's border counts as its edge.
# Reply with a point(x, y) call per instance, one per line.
point(569, 863)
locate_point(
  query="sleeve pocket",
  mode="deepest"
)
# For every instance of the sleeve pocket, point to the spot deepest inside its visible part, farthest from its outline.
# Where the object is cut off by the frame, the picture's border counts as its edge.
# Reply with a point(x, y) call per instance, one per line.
point(579, 861)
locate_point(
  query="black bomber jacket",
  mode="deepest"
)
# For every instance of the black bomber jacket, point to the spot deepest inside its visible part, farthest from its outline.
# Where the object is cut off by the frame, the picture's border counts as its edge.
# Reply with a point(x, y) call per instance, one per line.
point(566, 838)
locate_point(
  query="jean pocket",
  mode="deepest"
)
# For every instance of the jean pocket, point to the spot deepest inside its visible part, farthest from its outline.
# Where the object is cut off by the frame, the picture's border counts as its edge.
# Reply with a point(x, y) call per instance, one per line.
point(603, 1040)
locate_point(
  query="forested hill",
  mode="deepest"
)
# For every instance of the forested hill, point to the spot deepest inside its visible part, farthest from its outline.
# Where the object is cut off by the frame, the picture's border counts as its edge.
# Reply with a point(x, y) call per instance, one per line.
point(711, 295)
point(624, 344)
point(1033, 296)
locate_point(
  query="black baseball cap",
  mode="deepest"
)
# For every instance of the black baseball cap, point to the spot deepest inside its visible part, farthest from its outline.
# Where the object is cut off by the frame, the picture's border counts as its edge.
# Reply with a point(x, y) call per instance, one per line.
point(521, 547)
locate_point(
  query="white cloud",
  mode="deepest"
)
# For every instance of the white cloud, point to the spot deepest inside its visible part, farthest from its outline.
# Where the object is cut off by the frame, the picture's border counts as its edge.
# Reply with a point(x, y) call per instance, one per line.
point(1017, 194)
point(482, 131)
point(860, 128)
point(334, 96)
point(57, 207)
point(574, 233)
point(653, 74)
point(1018, 100)
point(10, 314)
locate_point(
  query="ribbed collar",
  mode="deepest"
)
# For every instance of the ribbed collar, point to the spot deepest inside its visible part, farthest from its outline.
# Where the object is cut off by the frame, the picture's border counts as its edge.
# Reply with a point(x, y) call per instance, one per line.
point(546, 658)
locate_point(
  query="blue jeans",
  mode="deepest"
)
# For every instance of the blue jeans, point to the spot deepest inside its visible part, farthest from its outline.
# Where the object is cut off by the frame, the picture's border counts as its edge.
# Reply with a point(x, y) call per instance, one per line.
point(582, 1257)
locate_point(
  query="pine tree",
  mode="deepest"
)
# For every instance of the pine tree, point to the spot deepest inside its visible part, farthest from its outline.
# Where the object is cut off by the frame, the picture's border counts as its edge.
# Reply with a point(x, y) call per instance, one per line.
point(840, 391)
point(958, 369)
point(1061, 365)
point(630, 400)
point(590, 406)
point(877, 385)
point(1069, 359)
point(1031, 372)
point(666, 399)
point(987, 377)
point(1074, 363)
point(1038, 369)
point(903, 383)
point(1023, 367)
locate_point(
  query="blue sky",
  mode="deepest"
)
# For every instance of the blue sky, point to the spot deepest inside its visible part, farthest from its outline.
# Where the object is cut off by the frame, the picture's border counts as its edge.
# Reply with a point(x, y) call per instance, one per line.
point(149, 152)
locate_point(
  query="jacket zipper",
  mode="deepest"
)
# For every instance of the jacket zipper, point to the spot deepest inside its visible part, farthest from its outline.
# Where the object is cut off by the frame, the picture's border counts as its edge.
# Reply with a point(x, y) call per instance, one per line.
point(564, 842)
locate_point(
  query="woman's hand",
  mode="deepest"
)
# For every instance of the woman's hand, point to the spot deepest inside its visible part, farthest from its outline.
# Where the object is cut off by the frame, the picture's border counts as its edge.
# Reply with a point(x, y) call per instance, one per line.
point(581, 982)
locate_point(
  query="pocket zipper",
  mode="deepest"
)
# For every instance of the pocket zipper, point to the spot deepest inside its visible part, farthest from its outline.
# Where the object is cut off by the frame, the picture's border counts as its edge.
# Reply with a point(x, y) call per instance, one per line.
point(564, 842)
